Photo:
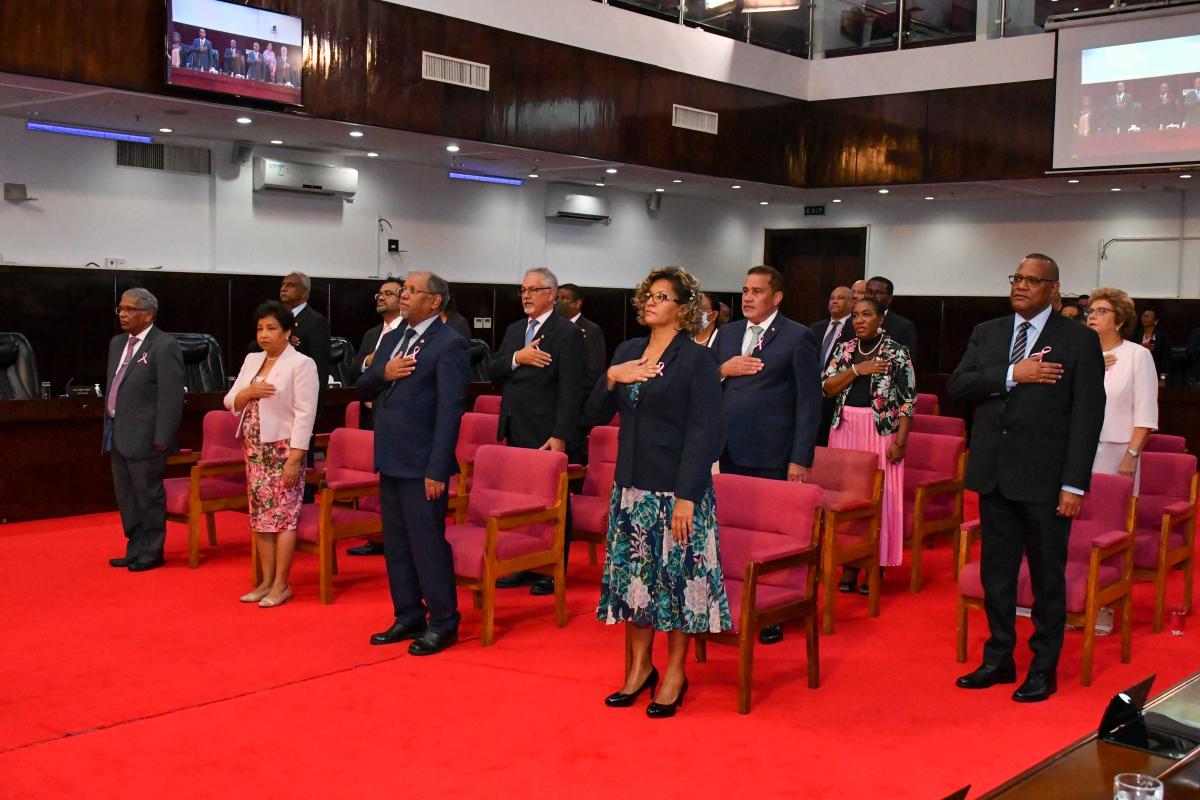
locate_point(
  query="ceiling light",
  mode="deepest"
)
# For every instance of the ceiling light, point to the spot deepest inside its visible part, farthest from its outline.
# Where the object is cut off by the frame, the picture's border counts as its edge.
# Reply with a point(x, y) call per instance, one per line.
point(470, 176)
point(752, 6)
point(244, 120)
point(600, 184)
point(885, 191)
point(1072, 180)
point(71, 130)
point(611, 170)
point(165, 130)
point(928, 197)
point(357, 134)
point(660, 189)
point(372, 154)
point(677, 180)
point(277, 141)
point(534, 175)
point(736, 186)
point(1115, 189)
point(764, 202)
point(836, 200)
point(452, 148)
point(1185, 176)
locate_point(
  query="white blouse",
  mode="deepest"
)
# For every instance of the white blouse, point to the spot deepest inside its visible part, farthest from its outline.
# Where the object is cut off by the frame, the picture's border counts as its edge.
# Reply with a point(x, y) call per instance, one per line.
point(1131, 388)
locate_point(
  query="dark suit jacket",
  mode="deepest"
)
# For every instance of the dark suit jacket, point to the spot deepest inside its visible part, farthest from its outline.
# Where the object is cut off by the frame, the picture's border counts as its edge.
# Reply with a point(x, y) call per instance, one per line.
point(312, 330)
point(772, 418)
point(417, 417)
point(819, 329)
point(670, 438)
point(150, 397)
point(538, 404)
point(458, 323)
point(903, 331)
point(1161, 348)
point(203, 59)
point(369, 340)
point(1030, 441)
point(597, 354)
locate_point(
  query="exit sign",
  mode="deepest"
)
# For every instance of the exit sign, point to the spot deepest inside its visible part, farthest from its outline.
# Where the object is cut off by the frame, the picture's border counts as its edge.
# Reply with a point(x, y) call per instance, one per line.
point(814, 211)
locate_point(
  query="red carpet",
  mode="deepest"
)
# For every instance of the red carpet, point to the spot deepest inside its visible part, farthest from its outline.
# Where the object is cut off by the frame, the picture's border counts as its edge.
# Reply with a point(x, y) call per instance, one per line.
point(132, 685)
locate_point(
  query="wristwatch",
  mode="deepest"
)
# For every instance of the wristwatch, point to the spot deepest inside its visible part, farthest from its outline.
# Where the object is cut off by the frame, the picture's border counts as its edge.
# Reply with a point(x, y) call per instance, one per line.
point(1132, 453)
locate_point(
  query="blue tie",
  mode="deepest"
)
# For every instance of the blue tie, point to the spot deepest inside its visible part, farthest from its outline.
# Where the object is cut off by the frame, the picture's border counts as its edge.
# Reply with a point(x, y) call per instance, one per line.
point(533, 324)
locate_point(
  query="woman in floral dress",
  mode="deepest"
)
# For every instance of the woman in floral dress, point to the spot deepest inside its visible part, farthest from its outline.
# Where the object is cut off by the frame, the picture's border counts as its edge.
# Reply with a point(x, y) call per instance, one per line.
point(276, 395)
point(872, 378)
point(662, 569)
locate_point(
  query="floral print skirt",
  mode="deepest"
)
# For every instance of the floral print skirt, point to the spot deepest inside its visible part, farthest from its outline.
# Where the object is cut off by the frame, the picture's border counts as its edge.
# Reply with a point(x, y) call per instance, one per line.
point(274, 506)
point(650, 579)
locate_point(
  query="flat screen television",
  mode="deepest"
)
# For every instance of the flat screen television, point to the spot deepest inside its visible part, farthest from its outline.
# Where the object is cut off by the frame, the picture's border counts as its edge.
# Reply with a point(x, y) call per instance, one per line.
point(226, 48)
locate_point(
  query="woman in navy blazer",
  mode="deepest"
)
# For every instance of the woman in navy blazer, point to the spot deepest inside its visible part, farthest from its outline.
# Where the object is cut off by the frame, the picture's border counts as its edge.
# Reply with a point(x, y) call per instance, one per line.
point(662, 568)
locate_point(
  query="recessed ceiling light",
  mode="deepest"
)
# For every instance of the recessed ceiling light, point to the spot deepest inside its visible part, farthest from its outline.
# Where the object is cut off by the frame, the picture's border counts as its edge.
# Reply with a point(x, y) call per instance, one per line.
point(452, 148)
point(736, 186)
point(611, 170)
point(372, 154)
point(660, 189)
point(885, 191)
point(600, 184)
point(244, 120)
point(677, 180)
point(277, 141)
point(534, 175)
point(928, 197)
point(1185, 176)
point(165, 130)
point(357, 134)
point(764, 202)
point(1115, 189)
point(1072, 180)
point(836, 200)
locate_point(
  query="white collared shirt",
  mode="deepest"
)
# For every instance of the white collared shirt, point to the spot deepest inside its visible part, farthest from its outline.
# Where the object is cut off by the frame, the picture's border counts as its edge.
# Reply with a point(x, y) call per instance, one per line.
point(420, 329)
point(141, 337)
point(748, 339)
point(839, 327)
point(575, 319)
point(296, 311)
point(388, 327)
point(541, 320)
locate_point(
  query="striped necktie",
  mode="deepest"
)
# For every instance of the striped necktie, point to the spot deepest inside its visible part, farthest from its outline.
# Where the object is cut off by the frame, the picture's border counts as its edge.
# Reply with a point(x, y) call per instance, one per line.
point(1018, 349)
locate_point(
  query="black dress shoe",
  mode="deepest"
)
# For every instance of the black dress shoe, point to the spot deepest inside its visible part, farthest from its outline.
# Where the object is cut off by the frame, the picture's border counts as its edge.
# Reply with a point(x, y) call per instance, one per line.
point(988, 675)
point(849, 580)
point(621, 700)
point(516, 579)
point(772, 634)
point(399, 632)
point(431, 642)
point(144, 566)
point(663, 710)
point(368, 549)
point(542, 586)
point(865, 588)
point(1038, 686)
point(124, 561)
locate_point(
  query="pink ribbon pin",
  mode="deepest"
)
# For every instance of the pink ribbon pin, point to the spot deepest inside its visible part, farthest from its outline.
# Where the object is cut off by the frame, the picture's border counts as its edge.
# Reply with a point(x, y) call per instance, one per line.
point(143, 359)
point(1040, 354)
point(660, 368)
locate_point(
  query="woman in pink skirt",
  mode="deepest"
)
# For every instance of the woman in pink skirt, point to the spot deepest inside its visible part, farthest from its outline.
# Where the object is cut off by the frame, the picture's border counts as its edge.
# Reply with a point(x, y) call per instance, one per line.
point(872, 378)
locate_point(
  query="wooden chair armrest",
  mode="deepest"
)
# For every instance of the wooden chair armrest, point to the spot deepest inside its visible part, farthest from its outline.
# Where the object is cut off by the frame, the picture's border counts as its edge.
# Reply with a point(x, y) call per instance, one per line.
point(209, 469)
point(183, 456)
point(1178, 512)
point(849, 506)
point(968, 533)
point(517, 517)
point(1109, 544)
point(576, 472)
point(320, 441)
point(314, 477)
point(350, 490)
point(936, 488)
point(808, 555)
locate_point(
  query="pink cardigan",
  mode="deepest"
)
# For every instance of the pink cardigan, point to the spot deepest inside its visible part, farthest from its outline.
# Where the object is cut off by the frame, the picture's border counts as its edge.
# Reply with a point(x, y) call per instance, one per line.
point(290, 413)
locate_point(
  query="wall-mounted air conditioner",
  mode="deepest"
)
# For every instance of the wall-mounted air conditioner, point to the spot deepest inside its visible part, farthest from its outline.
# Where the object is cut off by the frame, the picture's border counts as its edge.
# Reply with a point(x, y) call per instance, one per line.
point(564, 201)
point(313, 178)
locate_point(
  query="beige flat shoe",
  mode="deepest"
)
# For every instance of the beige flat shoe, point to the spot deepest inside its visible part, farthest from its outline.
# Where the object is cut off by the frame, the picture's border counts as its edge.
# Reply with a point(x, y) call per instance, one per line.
point(254, 597)
point(267, 602)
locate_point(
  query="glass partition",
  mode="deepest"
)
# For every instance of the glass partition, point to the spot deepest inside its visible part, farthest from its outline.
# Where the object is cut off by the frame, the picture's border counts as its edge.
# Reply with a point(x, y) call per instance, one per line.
point(852, 28)
point(665, 9)
point(940, 21)
point(721, 17)
point(786, 31)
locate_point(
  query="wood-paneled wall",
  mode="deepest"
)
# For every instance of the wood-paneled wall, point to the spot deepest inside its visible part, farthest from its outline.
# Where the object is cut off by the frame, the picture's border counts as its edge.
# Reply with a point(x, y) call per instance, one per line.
point(362, 64)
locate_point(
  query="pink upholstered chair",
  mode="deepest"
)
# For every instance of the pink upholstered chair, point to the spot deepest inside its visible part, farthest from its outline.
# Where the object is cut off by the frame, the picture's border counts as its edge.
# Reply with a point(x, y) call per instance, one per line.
point(351, 418)
point(851, 483)
point(934, 467)
point(928, 404)
point(1099, 567)
point(474, 431)
point(349, 476)
point(1165, 530)
point(1165, 443)
point(487, 404)
point(770, 564)
point(589, 508)
point(217, 481)
point(515, 517)
point(943, 426)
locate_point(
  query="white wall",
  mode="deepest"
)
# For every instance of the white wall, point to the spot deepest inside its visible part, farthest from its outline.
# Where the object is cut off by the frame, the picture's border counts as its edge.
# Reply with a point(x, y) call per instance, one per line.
point(88, 209)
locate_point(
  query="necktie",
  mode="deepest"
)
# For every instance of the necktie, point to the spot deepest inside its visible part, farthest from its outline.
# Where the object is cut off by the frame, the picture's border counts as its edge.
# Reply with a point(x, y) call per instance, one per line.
point(533, 325)
point(831, 336)
point(405, 341)
point(111, 403)
point(755, 337)
point(1018, 349)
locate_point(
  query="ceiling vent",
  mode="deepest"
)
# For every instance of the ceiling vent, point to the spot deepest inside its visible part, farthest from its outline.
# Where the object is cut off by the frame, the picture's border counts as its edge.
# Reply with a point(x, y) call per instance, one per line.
point(445, 69)
point(694, 119)
point(165, 157)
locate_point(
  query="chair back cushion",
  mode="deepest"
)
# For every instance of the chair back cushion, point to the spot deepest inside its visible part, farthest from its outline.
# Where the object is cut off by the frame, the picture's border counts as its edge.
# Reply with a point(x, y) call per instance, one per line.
point(487, 404)
point(930, 454)
point(602, 461)
point(927, 403)
point(220, 437)
point(354, 414)
point(1104, 509)
point(751, 527)
point(1166, 478)
point(515, 477)
point(1164, 443)
point(946, 426)
point(844, 474)
point(475, 430)
point(351, 456)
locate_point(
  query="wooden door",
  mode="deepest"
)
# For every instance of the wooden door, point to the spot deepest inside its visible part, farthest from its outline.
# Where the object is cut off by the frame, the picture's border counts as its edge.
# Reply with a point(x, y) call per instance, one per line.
point(814, 261)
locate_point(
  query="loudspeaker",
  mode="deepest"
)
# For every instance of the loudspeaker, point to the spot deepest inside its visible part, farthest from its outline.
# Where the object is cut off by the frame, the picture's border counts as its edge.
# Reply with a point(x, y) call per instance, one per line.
point(240, 155)
point(654, 202)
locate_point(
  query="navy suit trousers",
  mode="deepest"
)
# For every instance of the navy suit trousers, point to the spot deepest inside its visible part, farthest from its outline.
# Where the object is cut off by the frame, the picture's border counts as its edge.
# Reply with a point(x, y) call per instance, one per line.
point(420, 563)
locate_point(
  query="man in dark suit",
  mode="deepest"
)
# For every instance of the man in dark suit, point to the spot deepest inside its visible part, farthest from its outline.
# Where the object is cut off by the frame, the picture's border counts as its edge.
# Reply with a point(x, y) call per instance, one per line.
point(898, 327)
point(1165, 109)
point(1120, 110)
point(143, 404)
point(311, 334)
point(232, 61)
point(418, 385)
point(1191, 106)
point(830, 333)
point(203, 56)
point(570, 307)
point(540, 365)
point(1037, 382)
point(772, 390)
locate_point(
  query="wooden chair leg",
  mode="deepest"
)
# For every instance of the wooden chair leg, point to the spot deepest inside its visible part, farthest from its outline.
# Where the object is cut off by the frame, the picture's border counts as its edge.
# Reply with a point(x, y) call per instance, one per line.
point(1126, 627)
point(960, 642)
point(477, 599)
point(1089, 644)
point(745, 668)
point(701, 650)
point(1160, 597)
point(193, 540)
point(489, 610)
point(828, 589)
point(914, 581)
point(813, 650)
point(211, 519)
point(560, 593)
point(325, 559)
point(333, 559)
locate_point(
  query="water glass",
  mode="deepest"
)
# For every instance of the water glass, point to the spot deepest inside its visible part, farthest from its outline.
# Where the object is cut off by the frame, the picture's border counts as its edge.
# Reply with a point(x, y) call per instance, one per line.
point(1178, 616)
point(1132, 786)
point(45, 390)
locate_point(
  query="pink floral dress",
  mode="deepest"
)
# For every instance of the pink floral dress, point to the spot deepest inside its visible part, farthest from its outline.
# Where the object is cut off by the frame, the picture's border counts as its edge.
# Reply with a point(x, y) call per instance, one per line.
point(274, 506)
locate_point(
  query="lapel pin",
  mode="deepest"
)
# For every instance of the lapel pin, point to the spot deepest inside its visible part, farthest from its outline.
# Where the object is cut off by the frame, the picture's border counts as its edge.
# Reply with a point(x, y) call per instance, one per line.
point(144, 359)
point(1040, 354)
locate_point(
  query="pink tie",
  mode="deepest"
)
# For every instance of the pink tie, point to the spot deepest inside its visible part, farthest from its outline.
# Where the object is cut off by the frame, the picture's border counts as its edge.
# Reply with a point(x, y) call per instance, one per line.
point(116, 384)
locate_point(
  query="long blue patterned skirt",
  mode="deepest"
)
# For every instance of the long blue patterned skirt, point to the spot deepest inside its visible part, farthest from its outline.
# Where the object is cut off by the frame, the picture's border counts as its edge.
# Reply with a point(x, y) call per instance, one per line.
point(650, 579)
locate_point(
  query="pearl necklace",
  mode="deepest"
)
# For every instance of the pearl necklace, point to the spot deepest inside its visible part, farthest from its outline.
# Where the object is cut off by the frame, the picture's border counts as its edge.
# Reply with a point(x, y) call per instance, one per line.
point(872, 350)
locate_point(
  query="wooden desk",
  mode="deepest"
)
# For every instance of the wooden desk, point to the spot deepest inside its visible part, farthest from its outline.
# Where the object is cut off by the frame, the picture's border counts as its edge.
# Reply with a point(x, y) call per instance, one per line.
point(1085, 769)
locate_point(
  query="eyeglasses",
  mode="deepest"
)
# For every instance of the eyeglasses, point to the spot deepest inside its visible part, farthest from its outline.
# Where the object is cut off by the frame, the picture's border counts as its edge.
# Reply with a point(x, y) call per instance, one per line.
point(525, 291)
point(1094, 311)
point(1028, 280)
point(128, 310)
point(387, 293)
point(412, 290)
point(658, 297)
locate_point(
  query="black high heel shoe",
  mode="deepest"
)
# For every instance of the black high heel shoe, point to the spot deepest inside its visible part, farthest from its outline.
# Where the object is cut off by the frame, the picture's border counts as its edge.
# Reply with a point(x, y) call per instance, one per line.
point(622, 700)
point(663, 710)
point(849, 580)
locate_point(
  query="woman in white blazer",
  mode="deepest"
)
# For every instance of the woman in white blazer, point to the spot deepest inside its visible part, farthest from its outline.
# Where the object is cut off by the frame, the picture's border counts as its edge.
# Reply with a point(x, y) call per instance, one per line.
point(1130, 385)
point(276, 395)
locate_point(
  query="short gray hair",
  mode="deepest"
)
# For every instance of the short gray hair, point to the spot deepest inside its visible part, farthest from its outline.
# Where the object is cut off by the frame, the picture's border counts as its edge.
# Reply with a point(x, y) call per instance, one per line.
point(438, 285)
point(548, 277)
point(304, 280)
point(144, 299)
